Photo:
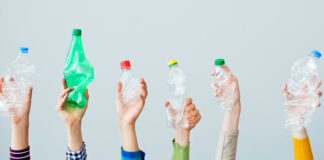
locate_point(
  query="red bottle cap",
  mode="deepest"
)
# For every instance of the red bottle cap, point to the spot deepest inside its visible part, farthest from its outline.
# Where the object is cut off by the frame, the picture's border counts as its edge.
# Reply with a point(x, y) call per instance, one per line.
point(125, 64)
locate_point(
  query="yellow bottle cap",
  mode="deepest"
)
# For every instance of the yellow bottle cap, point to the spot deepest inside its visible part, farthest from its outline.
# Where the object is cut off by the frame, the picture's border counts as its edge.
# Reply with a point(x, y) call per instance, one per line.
point(172, 62)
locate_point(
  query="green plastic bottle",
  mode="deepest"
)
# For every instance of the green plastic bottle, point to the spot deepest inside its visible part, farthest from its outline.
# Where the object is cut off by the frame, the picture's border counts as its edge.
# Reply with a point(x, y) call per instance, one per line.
point(78, 72)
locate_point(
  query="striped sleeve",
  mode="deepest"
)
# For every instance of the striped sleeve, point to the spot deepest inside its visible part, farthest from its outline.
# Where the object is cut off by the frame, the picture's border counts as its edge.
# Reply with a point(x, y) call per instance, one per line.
point(20, 154)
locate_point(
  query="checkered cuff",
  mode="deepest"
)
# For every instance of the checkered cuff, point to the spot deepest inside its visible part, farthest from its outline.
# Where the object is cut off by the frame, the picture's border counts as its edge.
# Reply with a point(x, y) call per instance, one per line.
point(79, 155)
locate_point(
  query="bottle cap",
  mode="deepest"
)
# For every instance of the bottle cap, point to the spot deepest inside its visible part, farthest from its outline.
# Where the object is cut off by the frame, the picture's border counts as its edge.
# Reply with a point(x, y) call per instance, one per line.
point(172, 63)
point(316, 54)
point(125, 64)
point(219, 62)
point(76, 32)
point(23, 50)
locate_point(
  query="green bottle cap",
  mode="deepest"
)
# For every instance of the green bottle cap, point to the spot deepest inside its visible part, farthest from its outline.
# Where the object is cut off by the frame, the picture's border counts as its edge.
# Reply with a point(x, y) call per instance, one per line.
point(219, 62)
point(76, 32)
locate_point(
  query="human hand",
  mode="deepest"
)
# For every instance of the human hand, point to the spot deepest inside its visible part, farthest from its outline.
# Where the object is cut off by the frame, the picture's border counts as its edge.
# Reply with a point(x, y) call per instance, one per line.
point(20, 121)
point(296, 105)
point(191, 119)
point(70, 115)
point(229, 92)
point(128, 112)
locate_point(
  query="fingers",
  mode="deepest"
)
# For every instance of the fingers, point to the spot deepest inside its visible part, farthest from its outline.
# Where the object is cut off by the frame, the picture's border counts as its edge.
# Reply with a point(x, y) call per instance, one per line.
point(64, 83)
point(86, 94)
point(143, 89)
point(284, 87)
point(226, 69)
point(167, 104)
point(1, 84)
point(29, 98)
point(65, 92)
point(319, 84)
point(188, 101)
point(192, 115)
point(119, 88)
point(319, 93)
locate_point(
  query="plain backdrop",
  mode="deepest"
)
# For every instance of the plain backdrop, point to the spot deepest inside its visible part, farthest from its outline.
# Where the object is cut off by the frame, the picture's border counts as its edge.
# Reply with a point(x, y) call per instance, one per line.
point(260, 39)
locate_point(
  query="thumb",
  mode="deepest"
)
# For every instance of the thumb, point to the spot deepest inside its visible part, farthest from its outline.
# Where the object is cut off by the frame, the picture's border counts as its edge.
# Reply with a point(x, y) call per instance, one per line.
point(29, 98)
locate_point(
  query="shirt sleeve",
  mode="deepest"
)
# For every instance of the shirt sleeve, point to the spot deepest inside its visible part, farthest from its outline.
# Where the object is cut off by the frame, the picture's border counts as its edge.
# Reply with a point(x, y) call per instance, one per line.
point(20, 154)
point(227, 144)
point(302, 149)
point(125, 155)
point(180, 152)
point(79, 155)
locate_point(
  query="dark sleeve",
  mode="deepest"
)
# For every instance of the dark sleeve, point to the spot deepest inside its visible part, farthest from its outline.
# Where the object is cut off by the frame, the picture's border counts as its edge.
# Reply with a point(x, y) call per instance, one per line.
point(20, 154)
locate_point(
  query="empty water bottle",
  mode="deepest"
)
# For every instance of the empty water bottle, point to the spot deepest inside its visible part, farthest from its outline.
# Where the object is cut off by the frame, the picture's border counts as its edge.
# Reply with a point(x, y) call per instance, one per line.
point(302, 84)
point(78, 71)
point(17, 79)
point(175, 110)
point(130, 83)
point(222, 79)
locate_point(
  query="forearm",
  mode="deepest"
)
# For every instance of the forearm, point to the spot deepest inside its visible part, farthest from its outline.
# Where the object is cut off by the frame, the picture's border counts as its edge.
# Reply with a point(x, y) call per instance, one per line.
point(129, 138)
point(74, 134)
point(231, 119)
point(299, 133)
point(19, 136)
point(302, 146)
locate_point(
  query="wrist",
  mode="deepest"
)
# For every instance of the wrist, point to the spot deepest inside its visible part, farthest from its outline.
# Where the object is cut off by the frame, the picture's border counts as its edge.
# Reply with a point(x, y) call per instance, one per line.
point(73, 124)
point(182, 137)
point(231, 118)
point(19, 136)
point(75, 139)
point(299, 133)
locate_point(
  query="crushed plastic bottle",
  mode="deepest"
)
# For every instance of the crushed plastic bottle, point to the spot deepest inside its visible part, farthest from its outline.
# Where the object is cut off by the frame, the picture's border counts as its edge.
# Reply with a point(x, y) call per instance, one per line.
point(17, 79)
point(175, 110)
point(130, 83)
point(302, 84)
point(78, 72)
point(222, 80)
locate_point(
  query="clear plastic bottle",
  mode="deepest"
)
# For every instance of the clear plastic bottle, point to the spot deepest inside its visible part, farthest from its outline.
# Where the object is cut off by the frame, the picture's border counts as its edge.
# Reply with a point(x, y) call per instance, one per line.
point(222, 77)
point(129, 81)
point(16, 81)
point(175, 110)
point(302, 84)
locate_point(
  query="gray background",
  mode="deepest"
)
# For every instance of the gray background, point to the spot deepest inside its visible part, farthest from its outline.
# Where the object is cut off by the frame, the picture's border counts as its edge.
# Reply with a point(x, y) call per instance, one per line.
point(260, 39)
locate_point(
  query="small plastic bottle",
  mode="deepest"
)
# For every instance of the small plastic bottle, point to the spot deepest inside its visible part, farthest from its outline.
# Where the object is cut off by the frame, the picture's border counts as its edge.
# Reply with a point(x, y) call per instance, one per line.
point(302, 84)
point(129, 81)
point(222, 77)
point(16, 82)
point(175, 110)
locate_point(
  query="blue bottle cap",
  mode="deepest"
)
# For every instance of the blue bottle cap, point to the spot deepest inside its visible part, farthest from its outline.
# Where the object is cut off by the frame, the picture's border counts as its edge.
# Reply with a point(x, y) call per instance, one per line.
point(316, 54)
point(23, 50)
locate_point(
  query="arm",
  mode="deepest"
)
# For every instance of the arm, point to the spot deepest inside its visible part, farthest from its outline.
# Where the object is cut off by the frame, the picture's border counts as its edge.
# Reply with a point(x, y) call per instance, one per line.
point(20, 128)
point(301, 144)
point(73, 120)
point(127, 116)
point(227, 143)
point(182, 136)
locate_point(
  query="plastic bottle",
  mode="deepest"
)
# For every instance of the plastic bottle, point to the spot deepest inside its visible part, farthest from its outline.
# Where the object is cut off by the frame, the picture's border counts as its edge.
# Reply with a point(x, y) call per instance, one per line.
point(78, 72)
point(302, 83)
point(129, 81)
point(222, 77)
point(175, 110)
point(16, 81)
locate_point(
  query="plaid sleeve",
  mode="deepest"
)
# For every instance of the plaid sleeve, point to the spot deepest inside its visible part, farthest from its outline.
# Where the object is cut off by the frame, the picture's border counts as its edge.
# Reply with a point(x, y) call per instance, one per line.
point(20, 154)
point(79, 155)
point(139, 155)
